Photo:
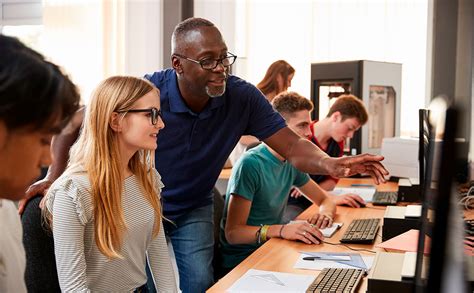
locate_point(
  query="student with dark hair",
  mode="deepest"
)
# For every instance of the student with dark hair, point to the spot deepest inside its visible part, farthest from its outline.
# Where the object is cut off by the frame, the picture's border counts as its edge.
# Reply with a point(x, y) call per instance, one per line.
point(206, 111)
point(36, 101)
point(41, 274)
point(344, 118)
point(258, 189)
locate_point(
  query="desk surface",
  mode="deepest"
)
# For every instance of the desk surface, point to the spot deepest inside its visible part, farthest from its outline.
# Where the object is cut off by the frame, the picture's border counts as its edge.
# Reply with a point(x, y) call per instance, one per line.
point(280, 255)
point(225, 173)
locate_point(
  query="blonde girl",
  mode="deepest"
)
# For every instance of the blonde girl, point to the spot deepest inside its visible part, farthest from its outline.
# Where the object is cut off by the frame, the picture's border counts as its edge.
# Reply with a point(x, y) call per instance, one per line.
point(105, 210)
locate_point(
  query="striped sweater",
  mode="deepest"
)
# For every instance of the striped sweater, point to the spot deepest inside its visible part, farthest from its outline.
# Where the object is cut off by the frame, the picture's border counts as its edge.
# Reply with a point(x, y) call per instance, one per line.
point(81, 266)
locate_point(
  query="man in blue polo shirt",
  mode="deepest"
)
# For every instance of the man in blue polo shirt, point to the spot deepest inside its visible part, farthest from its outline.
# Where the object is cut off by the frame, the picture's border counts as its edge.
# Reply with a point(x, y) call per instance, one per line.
point(206, 111)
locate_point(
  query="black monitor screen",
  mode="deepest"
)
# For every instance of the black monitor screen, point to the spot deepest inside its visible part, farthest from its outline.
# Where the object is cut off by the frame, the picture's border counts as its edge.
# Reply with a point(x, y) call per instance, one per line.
point(440, 157)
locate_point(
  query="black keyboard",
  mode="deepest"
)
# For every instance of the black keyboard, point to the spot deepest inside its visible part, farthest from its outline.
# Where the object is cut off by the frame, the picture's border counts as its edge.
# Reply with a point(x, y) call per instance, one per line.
point(336, 280)
point(361, 231)
point(385, 198)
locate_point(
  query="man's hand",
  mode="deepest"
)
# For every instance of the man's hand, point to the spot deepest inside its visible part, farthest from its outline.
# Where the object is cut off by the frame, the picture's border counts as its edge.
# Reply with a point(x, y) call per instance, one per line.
point(349, 199)
point(360, 164)
point(39, 187)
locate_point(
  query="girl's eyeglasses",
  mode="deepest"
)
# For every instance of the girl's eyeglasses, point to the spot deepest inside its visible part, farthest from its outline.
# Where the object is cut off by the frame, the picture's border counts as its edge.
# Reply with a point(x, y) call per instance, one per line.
point(154, 113)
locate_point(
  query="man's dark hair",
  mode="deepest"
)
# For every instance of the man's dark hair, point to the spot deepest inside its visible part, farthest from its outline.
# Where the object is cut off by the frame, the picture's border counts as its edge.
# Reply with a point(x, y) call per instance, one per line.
point(33, 92)
point(186, 26)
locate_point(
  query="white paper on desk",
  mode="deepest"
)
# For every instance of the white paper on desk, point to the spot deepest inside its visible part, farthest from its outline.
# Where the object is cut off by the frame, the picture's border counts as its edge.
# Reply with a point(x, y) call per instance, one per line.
point(329, 231)
point(365, 193)
point(268, 281)
point(322, 264)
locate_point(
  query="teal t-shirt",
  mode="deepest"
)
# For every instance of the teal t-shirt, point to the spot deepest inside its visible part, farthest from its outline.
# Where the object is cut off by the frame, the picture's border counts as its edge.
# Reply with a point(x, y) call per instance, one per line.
point(266, 181)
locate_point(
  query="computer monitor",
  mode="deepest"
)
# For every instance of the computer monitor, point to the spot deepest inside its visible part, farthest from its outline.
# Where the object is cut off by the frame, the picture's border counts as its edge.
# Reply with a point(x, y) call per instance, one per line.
point(437, 191)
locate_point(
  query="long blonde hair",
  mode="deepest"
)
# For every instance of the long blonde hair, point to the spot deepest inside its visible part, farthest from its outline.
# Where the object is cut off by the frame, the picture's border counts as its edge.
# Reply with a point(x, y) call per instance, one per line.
point(97, 152)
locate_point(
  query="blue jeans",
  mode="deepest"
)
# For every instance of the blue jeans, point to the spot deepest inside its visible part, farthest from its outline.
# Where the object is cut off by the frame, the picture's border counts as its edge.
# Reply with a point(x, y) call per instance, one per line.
point(192, 237)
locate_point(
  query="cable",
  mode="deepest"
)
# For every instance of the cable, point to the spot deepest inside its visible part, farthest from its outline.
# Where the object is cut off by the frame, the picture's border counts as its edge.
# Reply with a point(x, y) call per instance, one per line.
point(468, 199)
point(347, 246)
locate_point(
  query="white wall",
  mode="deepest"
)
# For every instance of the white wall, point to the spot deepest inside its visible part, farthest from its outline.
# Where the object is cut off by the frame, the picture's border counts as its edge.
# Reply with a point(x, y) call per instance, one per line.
point(304, 31)
point(143, 37)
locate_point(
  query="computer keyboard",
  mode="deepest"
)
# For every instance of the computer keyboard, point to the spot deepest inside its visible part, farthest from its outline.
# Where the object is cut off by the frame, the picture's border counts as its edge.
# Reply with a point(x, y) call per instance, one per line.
point(385, 198)
point(361, 231)
point(336, 280)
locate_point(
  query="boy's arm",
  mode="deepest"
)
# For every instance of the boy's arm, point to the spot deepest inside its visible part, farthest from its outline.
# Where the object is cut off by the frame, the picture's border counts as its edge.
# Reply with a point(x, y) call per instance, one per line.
point(348, 199)
point(238, 232)
point(327, 208)
point(327, 184)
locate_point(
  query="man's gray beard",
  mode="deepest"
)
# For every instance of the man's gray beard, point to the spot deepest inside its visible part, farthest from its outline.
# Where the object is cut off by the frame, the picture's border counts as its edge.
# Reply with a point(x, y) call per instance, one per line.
point(215, 94)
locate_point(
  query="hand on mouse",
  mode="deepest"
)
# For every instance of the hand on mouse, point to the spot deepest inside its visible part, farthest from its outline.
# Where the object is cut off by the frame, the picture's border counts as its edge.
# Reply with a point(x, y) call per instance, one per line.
point(349, 199)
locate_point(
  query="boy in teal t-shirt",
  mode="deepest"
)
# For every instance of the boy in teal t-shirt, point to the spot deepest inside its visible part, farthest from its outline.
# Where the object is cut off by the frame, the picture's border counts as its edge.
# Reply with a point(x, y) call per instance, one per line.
point(258, 191)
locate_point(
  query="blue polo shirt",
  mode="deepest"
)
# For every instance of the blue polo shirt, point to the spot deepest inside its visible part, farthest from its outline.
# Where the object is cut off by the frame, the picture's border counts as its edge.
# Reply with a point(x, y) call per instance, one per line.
point(193, 147)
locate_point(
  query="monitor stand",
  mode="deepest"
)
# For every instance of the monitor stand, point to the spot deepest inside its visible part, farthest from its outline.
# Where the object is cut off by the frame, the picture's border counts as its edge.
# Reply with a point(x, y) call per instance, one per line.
point(386, 273)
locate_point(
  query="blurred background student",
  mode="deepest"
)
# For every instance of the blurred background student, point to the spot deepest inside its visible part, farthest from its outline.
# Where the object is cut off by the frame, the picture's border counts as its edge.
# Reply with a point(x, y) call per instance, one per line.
point(277, 79)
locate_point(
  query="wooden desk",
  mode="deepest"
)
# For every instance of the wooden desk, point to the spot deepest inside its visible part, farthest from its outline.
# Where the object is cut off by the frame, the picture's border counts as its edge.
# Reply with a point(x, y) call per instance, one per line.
point(280, 255)
point(225, 173)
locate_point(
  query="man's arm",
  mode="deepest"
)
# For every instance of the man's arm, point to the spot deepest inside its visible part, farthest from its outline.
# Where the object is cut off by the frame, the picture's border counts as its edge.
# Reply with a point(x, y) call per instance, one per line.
point(60, 146)
point(308, 158)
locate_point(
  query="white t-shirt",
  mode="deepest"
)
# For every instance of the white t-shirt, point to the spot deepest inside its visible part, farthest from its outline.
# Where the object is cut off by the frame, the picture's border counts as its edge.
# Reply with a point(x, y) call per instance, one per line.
point(12, 253)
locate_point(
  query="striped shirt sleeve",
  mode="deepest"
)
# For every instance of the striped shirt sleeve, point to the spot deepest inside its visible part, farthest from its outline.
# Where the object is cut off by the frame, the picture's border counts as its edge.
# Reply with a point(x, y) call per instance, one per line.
point(160, 264)
point(68, 232)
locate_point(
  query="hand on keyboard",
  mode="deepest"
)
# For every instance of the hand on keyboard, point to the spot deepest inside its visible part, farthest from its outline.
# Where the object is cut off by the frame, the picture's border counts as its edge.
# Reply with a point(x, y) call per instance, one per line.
point(321, 221)
point(349, 199)
point(303, 231)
